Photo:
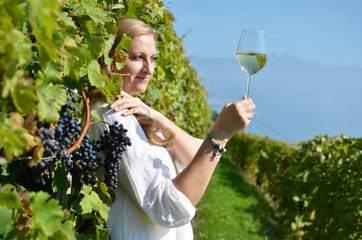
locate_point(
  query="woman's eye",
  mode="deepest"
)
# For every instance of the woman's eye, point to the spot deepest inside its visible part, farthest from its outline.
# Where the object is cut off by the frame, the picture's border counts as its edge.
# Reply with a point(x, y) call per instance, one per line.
point(137, 57)
point(140, 57)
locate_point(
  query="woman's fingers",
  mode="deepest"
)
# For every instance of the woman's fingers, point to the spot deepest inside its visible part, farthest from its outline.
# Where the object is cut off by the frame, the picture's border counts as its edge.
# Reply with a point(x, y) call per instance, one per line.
point(250, 107)
point(127, 101)
point(235, 116)
point(245, 105)
point(247, 110)
point(133, 105)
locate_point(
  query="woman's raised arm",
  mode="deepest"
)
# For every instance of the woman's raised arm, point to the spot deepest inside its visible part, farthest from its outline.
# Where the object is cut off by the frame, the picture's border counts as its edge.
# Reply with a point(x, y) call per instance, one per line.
point(193, 180)
point(200, 160)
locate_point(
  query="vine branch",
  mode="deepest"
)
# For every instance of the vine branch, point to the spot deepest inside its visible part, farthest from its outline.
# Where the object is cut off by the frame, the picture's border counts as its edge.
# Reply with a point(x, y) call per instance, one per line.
point(87, 123)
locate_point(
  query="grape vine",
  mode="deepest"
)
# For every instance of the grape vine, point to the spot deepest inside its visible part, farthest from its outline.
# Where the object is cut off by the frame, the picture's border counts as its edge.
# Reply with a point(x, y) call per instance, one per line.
point(316, 185)
point(66, 143)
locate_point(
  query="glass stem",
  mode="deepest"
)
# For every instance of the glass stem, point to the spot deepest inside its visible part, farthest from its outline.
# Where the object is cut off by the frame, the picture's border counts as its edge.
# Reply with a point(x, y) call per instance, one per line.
point(248, 85)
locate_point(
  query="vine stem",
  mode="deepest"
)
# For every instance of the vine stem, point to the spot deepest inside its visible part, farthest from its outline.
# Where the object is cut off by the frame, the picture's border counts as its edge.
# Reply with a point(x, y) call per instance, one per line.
point(87, 123)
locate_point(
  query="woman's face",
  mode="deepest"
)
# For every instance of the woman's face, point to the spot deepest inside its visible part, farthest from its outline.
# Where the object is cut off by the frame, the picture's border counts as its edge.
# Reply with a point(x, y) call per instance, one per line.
point(140, 64)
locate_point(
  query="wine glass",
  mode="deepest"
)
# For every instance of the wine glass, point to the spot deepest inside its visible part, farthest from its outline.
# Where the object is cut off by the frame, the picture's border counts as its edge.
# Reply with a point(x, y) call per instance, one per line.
point(251, 53)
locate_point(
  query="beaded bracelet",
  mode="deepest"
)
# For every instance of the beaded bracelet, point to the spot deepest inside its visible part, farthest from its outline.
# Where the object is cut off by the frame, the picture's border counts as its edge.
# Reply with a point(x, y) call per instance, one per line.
point(219, 150)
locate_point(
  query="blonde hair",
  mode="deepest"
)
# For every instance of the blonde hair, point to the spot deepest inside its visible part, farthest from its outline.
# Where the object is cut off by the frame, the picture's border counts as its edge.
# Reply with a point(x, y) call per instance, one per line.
point(132, 28)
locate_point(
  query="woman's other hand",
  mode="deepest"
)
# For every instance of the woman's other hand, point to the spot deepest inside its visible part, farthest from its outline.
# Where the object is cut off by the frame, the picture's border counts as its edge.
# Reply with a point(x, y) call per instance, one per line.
point(134, 106)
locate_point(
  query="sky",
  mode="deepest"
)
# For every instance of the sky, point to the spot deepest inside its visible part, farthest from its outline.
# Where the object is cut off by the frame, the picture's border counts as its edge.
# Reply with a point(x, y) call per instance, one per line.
point(324, 31)
point(312, 81)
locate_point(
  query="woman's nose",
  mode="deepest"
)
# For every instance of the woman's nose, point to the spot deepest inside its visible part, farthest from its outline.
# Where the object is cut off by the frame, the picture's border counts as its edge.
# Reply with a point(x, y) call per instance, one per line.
point(148, 67)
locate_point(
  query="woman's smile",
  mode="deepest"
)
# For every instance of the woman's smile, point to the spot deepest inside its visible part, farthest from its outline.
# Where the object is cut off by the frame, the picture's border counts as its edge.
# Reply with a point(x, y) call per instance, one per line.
point(143, 78)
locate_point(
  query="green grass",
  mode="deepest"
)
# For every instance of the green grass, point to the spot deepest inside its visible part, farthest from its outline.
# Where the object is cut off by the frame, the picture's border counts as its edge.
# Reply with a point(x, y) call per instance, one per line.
point(232, 208)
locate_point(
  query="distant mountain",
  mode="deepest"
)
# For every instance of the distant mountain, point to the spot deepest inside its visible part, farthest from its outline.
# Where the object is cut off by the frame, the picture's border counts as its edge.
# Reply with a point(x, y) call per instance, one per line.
point(295, 98)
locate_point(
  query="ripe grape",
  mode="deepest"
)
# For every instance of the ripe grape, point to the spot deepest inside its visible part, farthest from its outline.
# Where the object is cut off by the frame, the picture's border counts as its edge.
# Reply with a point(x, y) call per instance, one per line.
point(85, 161)
point(113, 143)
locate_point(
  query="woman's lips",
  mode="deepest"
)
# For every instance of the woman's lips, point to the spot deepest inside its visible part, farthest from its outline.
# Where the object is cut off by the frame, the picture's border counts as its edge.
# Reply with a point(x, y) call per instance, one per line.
point(143, 78)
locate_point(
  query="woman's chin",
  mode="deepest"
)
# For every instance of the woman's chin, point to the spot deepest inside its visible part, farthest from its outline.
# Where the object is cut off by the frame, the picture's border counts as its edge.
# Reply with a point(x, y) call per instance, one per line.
point(137, 91)
point(143, 88)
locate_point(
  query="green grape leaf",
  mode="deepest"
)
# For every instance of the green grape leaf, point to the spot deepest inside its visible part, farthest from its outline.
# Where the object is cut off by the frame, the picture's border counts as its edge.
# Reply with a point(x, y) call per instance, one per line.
point(103, 233)
point(95, 46)
point(47, 212)
point(44, 56)
point(103, 191)
point(43, 26)
point(67, 229)
point(108, 47)
point(24, 98)
point(14, 11)
point(51, 99)
point(111, 28)
point(96, 78)
point(88, 27)
point(91, 201)
point(9, 85)
point(121, 65)
point(51, 74)
point(46, 47)
point(83, 72)
point(6, 220)
point(69, 69)
point(70, 42)
point(154, 94)
point(19, 49)
point(112, 87)
point(14, 138)
point(10, 200)
point(68, 21)
point(79, 10)
point(160, 73)
point(94, 12)
point(122, 49)
point(58, 39)
point(4, 169)
point(103, 211)
point(60, 179)
point(11, 143)
point(30, 140)
point(57, 236)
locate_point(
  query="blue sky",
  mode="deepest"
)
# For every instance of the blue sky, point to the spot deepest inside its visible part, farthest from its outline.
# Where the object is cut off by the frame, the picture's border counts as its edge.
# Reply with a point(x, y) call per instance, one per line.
point(312, 81)
point(328, 32)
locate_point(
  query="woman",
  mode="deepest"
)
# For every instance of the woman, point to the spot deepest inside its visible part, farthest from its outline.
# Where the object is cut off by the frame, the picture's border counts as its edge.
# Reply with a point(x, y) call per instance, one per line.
point(166, 171)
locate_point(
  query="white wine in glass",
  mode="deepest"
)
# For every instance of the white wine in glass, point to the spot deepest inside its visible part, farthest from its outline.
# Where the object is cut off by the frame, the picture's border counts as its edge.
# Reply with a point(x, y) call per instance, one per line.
point(251, 54)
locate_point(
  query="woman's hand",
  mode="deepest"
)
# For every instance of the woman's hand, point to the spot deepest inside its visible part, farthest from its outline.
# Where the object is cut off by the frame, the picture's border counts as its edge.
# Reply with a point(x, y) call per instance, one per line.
point(233, 118)
point(134, 106)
